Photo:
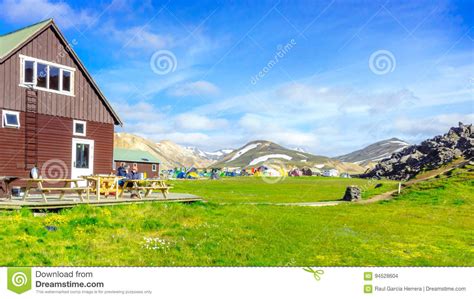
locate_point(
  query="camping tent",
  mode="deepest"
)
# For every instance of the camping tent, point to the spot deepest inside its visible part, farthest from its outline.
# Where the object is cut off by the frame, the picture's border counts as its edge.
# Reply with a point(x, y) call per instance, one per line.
point(272, 172)
point(295, 172)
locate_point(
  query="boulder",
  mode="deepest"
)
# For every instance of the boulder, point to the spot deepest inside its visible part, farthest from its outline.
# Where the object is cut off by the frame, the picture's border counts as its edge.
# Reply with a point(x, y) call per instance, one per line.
point(353, 193)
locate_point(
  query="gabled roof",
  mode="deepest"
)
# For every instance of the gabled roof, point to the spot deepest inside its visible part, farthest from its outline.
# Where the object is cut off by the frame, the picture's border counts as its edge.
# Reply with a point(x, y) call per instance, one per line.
point(129, 155)
point(13, 41)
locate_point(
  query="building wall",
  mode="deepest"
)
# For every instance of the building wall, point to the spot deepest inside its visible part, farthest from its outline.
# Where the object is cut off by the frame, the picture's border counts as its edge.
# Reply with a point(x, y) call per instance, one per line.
point(142, 167)
point(55, 136)
point(56, 113)
point(85, 105)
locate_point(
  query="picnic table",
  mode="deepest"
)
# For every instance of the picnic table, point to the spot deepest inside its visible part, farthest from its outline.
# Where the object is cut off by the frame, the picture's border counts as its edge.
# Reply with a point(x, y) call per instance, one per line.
point(7, 180)
point(105, 184)
point(147, 185)
point(37, 185)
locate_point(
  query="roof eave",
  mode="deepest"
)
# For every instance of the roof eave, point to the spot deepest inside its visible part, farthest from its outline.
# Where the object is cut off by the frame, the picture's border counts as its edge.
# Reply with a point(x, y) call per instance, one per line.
point(20, 45)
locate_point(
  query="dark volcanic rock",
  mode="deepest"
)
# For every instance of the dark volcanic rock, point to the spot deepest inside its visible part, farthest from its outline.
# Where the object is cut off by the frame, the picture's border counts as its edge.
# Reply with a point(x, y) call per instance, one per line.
point(353, 193)
point(430, 154)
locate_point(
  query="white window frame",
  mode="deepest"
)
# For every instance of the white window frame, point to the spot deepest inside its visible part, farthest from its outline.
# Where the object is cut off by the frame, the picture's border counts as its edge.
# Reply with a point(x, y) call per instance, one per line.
point(153, 167)
point(74, 127)
point(61, 67)
point(4, 119)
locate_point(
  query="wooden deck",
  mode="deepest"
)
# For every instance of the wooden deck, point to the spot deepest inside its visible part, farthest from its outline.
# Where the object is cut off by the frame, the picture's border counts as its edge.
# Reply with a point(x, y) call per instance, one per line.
point(71, 200)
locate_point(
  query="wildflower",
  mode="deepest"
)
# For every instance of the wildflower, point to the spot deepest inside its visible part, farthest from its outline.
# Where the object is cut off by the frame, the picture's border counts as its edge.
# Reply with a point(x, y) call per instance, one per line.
point(155, 244)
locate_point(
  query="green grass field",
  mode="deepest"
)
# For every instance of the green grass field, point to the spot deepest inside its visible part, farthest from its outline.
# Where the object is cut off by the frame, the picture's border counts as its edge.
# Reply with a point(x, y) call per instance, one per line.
point(429, 224)
point(288, 190)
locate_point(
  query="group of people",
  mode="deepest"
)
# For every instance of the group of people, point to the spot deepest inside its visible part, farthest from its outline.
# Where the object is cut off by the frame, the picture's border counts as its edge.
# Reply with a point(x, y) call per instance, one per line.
point(124, 171)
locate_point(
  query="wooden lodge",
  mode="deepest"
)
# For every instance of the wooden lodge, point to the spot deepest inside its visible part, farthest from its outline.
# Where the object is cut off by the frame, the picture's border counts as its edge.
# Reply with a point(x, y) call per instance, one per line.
point(53, 114)
point(146, 163)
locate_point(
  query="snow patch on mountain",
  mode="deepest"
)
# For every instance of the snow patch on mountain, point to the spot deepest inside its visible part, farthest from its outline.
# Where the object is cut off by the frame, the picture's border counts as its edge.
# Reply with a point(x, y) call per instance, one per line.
point(243, 151)
point(214, 156)
point(299, 149)
point(272, 156)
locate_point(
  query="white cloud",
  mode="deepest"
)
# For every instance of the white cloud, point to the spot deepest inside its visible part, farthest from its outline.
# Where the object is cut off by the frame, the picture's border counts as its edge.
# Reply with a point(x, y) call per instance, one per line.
point(190, 121)
point(197, 88)
point(138, 112)
point(30, 11)
point(185, 138)
point(146, 85)
point(431, 126)
point(138, 37)
point(256, 126)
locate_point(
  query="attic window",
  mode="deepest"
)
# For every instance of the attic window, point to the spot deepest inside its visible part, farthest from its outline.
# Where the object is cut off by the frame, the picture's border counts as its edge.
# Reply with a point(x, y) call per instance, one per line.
point(10, 119)
point(47, 76)
point(79, 128)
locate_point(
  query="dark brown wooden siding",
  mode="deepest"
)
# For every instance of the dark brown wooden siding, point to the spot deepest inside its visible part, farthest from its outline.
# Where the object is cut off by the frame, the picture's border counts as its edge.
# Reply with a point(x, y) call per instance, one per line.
point(142, 167)
point(84, 105)
point(54, 146)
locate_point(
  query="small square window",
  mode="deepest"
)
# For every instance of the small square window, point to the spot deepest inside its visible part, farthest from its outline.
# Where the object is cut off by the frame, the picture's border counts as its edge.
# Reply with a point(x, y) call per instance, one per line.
point(79, 128)
point(10, 119)
point(153, 167)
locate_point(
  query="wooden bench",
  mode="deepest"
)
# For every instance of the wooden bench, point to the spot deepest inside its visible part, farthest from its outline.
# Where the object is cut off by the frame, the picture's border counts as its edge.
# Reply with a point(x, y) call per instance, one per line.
point(7, 180)
point(103, 184)
point(37, 185)
point(150, 185)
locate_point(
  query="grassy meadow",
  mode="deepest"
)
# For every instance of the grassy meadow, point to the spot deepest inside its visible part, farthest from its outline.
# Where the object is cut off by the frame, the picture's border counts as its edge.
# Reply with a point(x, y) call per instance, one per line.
point(278, 190)
point(429, 224)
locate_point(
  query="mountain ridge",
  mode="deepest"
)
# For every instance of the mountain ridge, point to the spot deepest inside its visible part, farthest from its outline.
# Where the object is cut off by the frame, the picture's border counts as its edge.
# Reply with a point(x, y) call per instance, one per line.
point(261, 152)
point(374, 152)
point(170, 154)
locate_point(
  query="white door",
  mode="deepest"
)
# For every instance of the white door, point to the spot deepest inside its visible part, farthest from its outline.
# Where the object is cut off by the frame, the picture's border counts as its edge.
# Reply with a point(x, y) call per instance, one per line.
point(82, 157)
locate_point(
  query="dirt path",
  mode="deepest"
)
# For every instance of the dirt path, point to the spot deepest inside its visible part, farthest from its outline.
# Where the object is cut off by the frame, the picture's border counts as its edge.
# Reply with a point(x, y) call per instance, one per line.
point(299, 204)
point(423, 177)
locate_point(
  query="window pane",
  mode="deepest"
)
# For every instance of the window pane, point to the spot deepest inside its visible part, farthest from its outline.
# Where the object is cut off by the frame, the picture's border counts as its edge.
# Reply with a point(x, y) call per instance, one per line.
point(53, 78)
point(79, 128)
point(29, 69)
point(11, 119)
point(66, 81)
point(82, 155)
point(41, 73)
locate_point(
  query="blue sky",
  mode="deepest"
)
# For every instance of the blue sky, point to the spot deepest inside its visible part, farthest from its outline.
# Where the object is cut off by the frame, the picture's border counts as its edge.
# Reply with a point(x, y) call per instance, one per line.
point(327, 76)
